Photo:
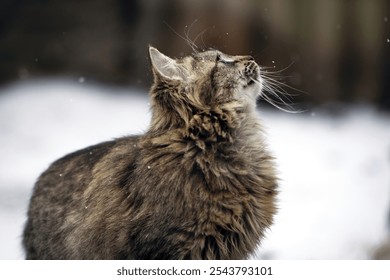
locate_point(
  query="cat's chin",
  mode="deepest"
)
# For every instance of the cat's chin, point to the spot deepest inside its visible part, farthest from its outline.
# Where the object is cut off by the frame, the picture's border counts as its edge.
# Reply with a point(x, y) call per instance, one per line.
point(250, 94)
point(254, 87)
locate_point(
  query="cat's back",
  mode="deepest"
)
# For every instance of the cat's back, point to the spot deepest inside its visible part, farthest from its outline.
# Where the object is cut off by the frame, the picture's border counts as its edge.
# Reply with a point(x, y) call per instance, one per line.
point(61, 190)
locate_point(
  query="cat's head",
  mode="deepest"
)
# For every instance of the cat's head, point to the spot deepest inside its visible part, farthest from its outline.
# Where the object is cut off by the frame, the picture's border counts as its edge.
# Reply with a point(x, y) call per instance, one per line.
point(209, 82)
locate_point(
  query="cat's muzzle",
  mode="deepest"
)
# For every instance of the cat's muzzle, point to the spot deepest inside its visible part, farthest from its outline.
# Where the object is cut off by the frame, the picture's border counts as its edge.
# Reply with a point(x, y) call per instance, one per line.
point(251, 72)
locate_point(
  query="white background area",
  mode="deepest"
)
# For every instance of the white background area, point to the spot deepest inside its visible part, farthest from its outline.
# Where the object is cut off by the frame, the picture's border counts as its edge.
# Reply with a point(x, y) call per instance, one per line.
point(335, 172)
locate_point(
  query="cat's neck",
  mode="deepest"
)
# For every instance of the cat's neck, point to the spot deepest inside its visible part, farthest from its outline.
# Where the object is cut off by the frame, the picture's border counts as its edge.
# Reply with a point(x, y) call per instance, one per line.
point(209, 128)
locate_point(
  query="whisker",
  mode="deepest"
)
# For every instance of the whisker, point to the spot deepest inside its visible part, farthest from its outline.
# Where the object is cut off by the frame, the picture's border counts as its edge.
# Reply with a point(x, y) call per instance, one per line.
point(278, 71)
point(191, 44)
point(279, 86)
point(275, 104)
point(187, 34)
point(201, 36)
point(282, 102)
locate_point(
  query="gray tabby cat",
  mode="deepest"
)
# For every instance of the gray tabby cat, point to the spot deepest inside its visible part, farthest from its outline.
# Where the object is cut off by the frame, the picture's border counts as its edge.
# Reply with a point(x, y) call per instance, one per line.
point(199, 184)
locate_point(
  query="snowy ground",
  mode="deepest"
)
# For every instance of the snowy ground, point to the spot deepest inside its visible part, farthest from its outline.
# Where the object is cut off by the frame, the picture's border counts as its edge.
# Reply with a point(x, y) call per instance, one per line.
point(335, 172)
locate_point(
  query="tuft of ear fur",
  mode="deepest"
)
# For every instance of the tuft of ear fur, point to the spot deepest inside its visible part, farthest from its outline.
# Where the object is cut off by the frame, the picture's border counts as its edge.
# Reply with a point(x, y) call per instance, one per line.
point(164, 66)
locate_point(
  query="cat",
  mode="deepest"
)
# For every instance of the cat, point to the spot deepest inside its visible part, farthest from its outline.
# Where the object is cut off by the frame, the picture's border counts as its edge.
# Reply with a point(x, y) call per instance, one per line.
point(198, 184)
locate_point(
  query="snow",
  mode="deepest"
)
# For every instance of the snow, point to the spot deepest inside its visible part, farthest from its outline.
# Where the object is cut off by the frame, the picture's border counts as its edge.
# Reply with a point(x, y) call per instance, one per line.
point(335, 173)
point(335, 185)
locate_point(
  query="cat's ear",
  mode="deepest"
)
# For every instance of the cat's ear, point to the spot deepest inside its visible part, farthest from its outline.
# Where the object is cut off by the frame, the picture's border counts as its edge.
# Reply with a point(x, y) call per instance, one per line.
point(164, 66)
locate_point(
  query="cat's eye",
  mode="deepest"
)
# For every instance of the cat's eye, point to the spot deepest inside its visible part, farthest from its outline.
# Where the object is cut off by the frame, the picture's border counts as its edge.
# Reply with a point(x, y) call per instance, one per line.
point(229, 62)
point(225, 60)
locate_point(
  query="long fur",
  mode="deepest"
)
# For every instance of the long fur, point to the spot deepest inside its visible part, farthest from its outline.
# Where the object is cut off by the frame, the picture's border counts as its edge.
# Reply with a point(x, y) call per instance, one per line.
point(199, 184)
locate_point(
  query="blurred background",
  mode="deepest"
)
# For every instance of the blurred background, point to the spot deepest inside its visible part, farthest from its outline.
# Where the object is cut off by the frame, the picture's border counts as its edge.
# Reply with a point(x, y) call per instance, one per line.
point(337, 51)
point(69, 70)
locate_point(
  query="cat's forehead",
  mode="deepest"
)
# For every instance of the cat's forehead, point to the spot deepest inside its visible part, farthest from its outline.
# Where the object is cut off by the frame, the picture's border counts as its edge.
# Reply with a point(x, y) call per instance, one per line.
point(211, 55)
point(207, 55)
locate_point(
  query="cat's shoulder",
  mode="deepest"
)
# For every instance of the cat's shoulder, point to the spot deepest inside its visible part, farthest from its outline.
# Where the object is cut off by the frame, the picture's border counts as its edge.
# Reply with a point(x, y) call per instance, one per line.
point(91, 155)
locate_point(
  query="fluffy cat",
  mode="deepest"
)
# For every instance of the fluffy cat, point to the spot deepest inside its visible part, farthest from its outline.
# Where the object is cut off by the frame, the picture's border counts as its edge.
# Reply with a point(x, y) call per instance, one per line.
point(199, 184)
